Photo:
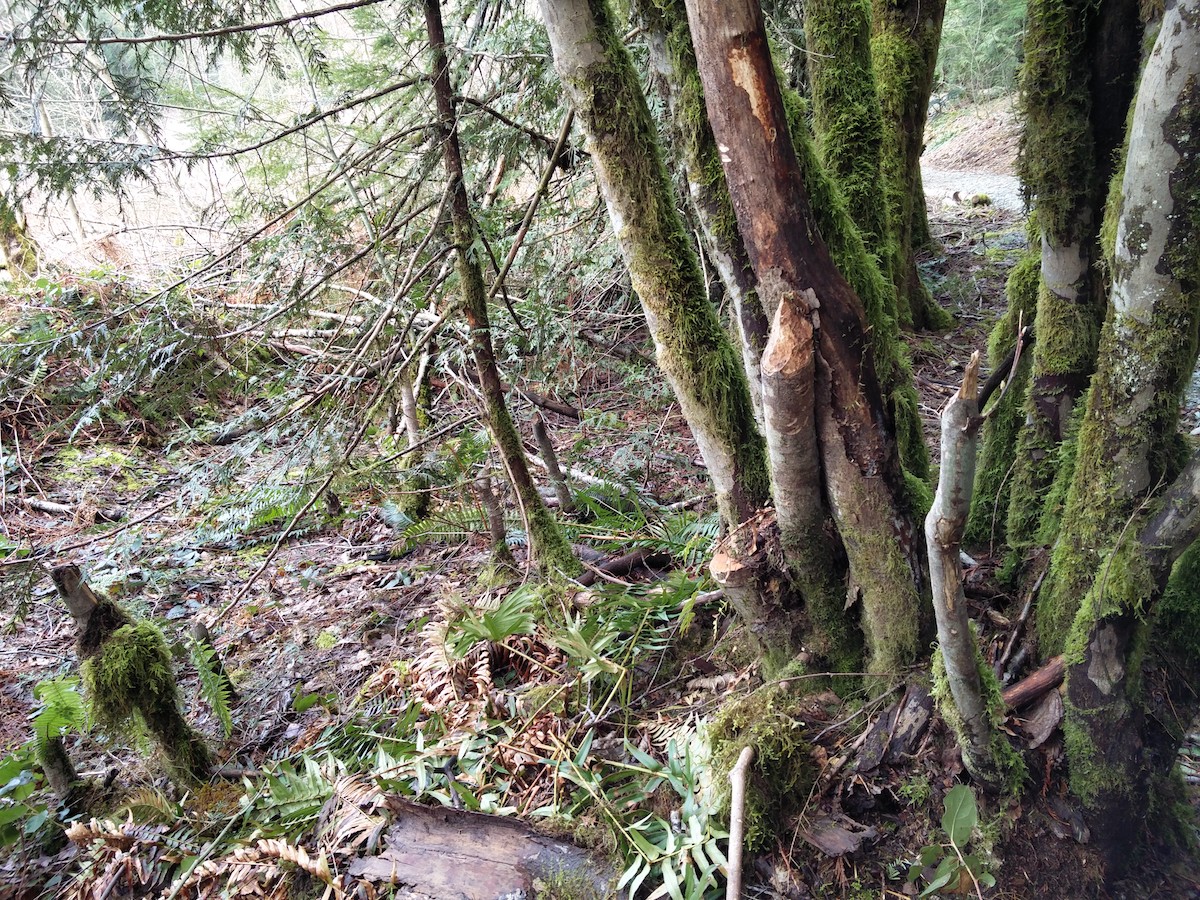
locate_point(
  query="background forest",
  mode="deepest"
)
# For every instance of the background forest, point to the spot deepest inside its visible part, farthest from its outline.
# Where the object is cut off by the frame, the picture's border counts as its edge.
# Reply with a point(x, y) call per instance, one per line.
point(740, 450)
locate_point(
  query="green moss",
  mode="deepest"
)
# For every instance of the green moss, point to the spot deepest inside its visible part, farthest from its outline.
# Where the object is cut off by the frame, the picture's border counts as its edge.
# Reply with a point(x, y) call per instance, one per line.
point(696, 352)
point(771, 721)
point(1177, 623)
point(1057, 159)
point(1005, 762)
point(846, 117)
point(861, 270)
point(902, 58)
point(131, 683)
point(990, 500)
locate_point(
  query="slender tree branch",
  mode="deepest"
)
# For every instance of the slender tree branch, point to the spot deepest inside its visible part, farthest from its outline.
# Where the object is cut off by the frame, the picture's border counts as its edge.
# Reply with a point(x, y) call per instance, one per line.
point(211, 33)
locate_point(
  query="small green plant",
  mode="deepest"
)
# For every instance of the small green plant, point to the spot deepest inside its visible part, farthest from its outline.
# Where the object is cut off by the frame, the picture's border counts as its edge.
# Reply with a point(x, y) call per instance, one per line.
point(513, 615)
point(916, 791)
point(954, 871)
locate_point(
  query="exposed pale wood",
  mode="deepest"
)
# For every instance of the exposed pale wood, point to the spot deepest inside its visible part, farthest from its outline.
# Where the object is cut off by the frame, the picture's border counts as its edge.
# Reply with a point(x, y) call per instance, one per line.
point(80, 599)
point(471, 856)
point(103, 514)
point(737, 821)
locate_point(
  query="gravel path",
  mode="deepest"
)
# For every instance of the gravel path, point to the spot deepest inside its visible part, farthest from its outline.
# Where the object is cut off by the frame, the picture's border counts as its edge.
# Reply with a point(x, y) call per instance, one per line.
point(1003, 190)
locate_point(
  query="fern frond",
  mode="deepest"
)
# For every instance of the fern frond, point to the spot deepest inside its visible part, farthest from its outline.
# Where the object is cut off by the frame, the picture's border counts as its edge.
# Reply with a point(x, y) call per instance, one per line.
point(214, 684)
point(62, 711)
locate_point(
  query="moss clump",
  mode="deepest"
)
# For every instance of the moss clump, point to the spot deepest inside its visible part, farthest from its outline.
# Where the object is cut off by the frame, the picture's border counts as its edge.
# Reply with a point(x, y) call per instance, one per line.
point(1004, 766)
point(131, 683)
point(771, 721)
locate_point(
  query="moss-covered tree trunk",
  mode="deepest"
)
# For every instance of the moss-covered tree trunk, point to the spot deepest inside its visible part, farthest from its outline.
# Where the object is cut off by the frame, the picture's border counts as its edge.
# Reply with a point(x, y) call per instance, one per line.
point(1128, 446)
point(670, 46)
point(993, 476)
point(846, 120)
point(1081, 58)
point(547, 545)
point(849, 136)
point(693, 350)
point(858, 460)
point(904, 47)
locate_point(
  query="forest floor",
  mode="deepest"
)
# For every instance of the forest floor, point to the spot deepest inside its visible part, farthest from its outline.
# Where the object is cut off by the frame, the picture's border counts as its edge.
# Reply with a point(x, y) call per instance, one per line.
point(338, 633)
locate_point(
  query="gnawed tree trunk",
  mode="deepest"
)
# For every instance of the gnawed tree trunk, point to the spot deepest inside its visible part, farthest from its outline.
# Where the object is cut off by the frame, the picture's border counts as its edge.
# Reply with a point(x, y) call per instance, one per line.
point(1128, 444)
point(1076, 85)
point(904, 47)
point(974, 713)
point(693, 349)
point(547, 546)
point(673, 57)
point(851, 428)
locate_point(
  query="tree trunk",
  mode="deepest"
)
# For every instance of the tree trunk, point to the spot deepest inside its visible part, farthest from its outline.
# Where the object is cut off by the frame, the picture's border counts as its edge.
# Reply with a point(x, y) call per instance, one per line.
point(670, 46)
point(904, 47)
point(973, 713)
point(861, 469)
point(1128, 445)
point(993, 477)
point(673, 57)
point(547, 546)
point(1076, 85)
point(846, 119)
point(693, 349)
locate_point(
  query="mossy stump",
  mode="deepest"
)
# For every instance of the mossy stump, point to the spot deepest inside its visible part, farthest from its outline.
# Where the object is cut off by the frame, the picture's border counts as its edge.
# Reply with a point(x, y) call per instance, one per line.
point(129, 679)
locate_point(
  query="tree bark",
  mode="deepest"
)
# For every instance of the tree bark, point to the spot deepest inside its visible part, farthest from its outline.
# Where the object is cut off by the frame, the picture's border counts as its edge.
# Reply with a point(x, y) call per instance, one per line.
point(859, 462)
point(674, 59)
point(547, 546)
point(904, 46)
point(1128, 444)
point(1077, 82)
point(692, 348)
point(971, 716)
point(671, 55)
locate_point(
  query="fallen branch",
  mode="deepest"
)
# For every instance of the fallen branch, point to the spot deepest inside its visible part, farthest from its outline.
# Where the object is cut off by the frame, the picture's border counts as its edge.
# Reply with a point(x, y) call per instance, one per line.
point(102, 514)
point(1040, 682)
point(623, 565)
point(546, 403)
point(737, 821)
point(1019, 627)
point(561, 490)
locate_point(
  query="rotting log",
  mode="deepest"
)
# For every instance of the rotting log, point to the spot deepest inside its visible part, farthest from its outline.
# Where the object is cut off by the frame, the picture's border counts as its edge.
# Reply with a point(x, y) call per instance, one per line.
point(472, 856)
